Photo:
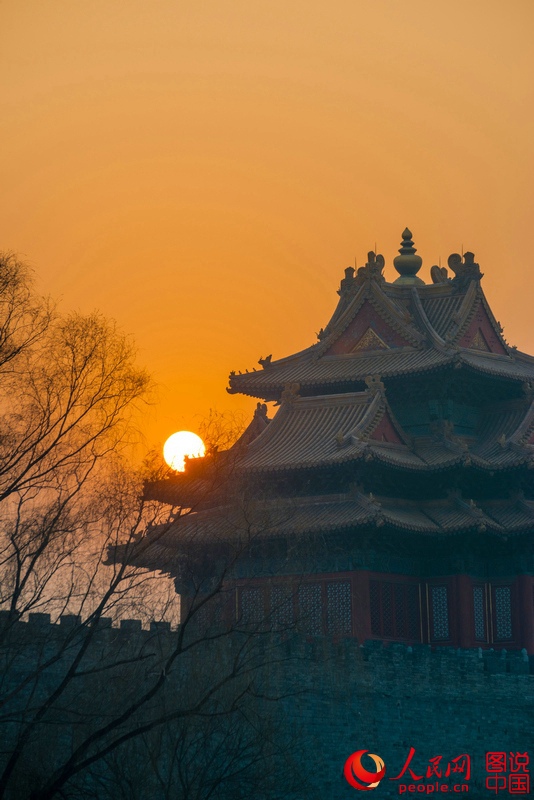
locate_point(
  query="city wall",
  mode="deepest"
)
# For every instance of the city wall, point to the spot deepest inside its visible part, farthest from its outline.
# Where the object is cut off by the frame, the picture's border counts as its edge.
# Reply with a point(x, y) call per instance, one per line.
point(335, 698)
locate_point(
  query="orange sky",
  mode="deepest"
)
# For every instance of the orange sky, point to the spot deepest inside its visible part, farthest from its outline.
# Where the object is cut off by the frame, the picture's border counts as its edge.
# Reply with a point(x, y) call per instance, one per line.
point(203, 170)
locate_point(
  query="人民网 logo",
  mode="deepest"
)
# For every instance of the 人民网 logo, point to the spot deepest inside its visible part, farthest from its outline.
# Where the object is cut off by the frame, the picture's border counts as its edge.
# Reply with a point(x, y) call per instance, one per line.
point(359, 777)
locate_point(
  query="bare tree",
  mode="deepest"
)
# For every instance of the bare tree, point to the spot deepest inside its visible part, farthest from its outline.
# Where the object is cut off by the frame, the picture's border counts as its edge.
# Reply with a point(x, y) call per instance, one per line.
point(235, 756)
point(75, 526)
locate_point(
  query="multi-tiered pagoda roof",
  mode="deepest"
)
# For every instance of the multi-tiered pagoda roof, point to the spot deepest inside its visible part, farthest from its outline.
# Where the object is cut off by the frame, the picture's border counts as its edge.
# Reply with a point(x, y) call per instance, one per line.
point(410, 414)
point(395, 329)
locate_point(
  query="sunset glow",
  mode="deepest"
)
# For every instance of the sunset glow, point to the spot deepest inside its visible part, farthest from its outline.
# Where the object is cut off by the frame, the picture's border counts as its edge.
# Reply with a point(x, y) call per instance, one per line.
point(204, 172)
point(180, 445)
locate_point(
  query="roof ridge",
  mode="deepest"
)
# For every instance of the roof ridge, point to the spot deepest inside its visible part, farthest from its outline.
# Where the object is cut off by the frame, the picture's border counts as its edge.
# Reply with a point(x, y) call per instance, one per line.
point(524, 429)
point(438, 341)
point(394, 315)
point(473, 298)
point(465, 313)
point(365, 424)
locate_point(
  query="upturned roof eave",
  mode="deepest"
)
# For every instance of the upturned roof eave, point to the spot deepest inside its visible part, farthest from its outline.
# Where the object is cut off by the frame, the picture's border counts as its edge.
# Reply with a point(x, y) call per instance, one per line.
point(369, 290)
point(415, 326)
point(368, 513)
point(491, 364)
point(382, 454)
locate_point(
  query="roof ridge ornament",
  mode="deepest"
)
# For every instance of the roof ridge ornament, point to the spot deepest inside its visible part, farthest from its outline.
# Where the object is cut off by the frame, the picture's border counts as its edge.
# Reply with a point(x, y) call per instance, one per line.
point(470, 507)
point(407, 263)
point(290, 393)
point(341, 439)
point(465, 268)
point(349, 285)
point(265, 362)
point(261, 411)
point(439, 274)
point(371, 271)
point(374, 384)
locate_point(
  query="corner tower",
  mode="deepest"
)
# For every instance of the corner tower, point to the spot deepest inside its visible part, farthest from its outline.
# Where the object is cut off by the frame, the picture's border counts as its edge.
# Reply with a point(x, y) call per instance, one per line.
point(394, 486)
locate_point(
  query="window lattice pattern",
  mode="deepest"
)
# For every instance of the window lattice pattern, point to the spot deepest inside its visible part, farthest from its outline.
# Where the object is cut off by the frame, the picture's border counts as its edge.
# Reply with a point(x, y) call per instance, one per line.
point(395, 610)
point(414, 613)
point(281, 606)
point(210, 613)
point(401, 616)
point(338, 608)
point(387, 610)
point(252, 612)
point(503, 612)
point(310, 608)
point(440, 612)
point(376, 625)
point(407, 618)
point(480, 617)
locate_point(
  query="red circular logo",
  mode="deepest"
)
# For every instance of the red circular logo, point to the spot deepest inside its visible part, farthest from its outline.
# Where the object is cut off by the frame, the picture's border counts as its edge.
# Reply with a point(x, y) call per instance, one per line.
point(358, 776)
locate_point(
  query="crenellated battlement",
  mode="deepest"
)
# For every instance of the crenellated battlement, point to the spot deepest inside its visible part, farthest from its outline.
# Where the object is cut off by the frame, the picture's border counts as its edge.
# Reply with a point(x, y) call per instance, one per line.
point(43, 621)
point(344, 653)
point(330, 696)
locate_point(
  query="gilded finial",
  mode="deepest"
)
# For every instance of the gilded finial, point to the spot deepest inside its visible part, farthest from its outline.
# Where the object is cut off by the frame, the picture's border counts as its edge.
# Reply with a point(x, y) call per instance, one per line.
point(407, 263)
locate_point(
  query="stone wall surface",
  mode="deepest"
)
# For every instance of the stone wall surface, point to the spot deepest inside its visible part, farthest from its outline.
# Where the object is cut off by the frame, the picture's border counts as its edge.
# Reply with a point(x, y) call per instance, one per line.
point(388, 700)
point(334, 698)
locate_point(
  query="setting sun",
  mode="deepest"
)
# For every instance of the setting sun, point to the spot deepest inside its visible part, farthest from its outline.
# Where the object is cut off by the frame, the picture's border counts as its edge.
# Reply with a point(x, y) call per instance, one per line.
point(180, 445)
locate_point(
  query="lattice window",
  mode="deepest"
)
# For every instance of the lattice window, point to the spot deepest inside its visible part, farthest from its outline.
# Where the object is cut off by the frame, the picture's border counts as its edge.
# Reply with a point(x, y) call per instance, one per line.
point(440, 612)
point(252, 611)
point(414, 612)
point(480, 615)
point(376, 622)
point(339, 608)
point(503, 612)
point(310, 608)
point(395, 610)
point(387, 609)
point(401, 616)
point(407, 617)
point(281, 606)
point(210, 613)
